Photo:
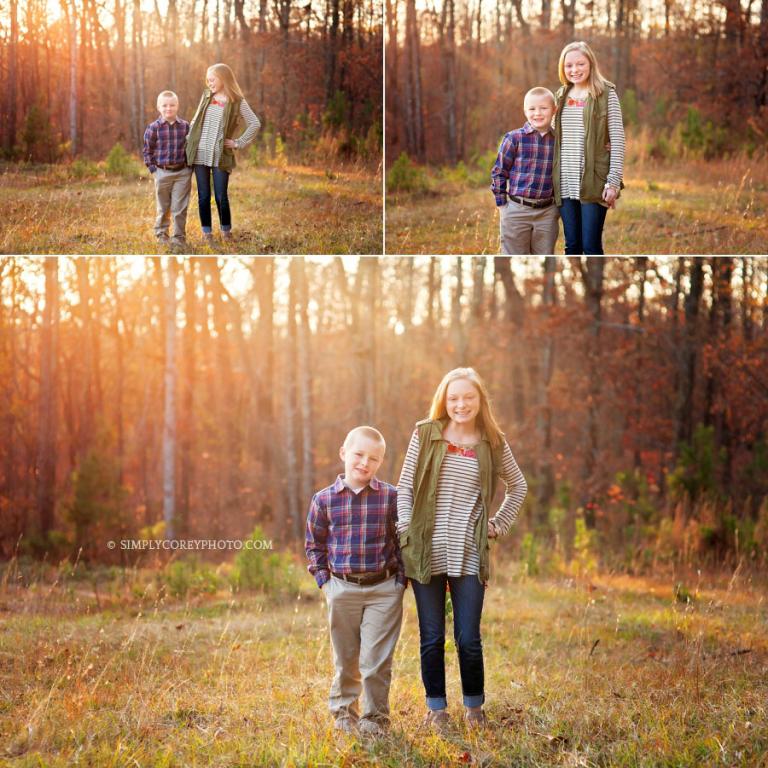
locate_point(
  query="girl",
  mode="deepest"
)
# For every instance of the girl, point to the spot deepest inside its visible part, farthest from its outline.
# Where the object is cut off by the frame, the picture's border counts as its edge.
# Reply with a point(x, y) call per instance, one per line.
point(589, 149)
point(444, 495)
point(211, 142)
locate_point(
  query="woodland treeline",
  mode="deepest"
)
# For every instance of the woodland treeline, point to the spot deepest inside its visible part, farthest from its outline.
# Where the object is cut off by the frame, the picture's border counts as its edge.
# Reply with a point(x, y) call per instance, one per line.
point(81, 75)
point(692, 77)
point(213, 394)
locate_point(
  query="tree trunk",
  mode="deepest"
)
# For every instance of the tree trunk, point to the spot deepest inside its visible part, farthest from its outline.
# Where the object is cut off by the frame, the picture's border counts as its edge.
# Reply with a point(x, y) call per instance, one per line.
point(304, 375)
point(687, 358)
point(592, 275)
point(169, 409)
point(46, 453)
point(547, 367)
point(12, 85)
point(187, 430)
point(289, 408)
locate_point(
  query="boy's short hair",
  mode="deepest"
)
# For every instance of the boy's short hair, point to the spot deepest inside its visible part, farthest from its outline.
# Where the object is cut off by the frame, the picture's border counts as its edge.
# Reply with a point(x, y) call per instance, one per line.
point(370, 432)
point(165, 95)
point(540, 91)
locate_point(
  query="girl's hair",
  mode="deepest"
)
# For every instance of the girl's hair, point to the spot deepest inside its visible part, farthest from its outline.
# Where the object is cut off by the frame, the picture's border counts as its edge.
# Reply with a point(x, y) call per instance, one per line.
point(596, 84)
point(485, 418)
point(228, 80)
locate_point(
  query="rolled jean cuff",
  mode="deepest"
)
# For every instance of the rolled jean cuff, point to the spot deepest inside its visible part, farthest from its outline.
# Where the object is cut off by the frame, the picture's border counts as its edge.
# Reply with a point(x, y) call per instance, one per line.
point(474, 701)
point(226, 228)
point(436, 702)
point(207, 230)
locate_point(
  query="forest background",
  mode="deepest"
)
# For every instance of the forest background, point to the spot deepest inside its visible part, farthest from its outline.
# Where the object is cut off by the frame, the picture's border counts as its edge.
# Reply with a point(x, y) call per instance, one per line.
point(81, 76)
point(693, 82)
point(210, 396)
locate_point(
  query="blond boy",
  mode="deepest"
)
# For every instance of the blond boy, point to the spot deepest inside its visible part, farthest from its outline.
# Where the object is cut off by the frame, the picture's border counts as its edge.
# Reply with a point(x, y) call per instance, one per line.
point(164, 155)
point(353, 552)
point(521, 180)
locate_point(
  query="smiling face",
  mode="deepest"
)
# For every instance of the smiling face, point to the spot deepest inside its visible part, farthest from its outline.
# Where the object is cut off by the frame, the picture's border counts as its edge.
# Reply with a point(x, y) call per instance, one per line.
point(168, 106)
point(539, 111)
point(215, 83)
point(462, 402)
point(362, 457)
point(576, 67)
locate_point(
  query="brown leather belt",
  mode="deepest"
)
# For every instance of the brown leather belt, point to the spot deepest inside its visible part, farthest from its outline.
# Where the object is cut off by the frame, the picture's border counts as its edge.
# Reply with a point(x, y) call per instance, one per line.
point(532, 203)
point(177, 167)
point(365, 579)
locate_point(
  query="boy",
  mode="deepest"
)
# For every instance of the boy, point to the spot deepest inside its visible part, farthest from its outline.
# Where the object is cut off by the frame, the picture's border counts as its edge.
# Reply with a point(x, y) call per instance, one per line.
point(528, 215)
point(352, 548)
point(165, 157)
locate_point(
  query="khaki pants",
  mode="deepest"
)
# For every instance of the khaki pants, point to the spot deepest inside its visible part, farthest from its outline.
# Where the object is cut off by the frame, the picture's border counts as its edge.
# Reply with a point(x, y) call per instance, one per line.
point(172, 190)
point(526, 230)
point(365, 625)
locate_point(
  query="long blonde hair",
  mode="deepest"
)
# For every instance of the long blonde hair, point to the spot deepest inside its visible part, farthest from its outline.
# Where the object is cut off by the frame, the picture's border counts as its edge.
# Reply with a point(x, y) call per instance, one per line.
point(485, 417)
point(228, 80)
point(597, 82)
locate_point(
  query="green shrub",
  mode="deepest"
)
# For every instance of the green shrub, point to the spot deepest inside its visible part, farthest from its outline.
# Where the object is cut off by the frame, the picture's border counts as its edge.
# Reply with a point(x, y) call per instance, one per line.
point(82, 168)
point(260, 570)
point(584, 557)
point(188, 577)
point(119, 162)
point(697, 468)
point(529, 554)
point(406, 176)
point(629, 107)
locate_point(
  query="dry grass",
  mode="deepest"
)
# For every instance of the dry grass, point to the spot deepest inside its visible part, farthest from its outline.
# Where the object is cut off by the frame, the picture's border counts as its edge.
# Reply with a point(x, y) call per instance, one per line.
point(612, 673)
point(695, 207)
point(291, 210)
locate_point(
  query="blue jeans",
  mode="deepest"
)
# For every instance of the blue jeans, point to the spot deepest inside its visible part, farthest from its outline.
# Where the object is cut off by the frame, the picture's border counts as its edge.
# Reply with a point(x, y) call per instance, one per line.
point(220, 184)
point(467, 597)
point(582, 226)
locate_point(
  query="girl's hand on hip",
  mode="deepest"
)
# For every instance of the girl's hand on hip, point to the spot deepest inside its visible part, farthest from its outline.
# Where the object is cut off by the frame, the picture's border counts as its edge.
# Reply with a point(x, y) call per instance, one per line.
point(610, 195)
point(230, 144)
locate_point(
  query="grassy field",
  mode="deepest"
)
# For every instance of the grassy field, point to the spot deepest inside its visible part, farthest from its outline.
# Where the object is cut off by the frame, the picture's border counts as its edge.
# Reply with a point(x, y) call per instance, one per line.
point(696, 207)
point(614, 672)
point(291, 210)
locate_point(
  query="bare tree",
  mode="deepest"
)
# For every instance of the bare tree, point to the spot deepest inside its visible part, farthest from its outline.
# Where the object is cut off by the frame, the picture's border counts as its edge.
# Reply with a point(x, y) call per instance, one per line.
point(169, 409)
point(46, 449)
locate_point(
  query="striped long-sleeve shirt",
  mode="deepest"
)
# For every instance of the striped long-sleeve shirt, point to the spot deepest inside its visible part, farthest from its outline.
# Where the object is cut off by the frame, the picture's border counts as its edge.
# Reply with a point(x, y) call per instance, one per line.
point(459, 505)
point(572, 145)
point(209, 148)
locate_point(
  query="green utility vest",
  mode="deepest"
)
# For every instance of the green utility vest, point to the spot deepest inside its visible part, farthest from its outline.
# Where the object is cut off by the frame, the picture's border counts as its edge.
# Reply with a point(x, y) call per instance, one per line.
point(416, 542)
point(230, 120)
point(597, 146)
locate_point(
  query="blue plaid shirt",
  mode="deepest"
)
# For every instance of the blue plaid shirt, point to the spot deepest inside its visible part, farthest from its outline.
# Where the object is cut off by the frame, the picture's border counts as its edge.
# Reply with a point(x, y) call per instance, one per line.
point(350, 532)
point(164, 143)
point(524, 165)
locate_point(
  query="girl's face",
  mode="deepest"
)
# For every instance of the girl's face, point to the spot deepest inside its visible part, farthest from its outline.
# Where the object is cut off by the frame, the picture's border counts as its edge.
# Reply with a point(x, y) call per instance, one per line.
point(462, 402)
point(214, 81)
point(576, 66)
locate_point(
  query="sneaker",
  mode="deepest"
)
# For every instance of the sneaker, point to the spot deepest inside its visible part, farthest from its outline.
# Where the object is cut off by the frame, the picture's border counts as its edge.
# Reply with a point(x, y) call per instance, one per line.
point(475, 717)
point(345, 724)
point(207, 237)
point(438, 720)
point(226, 234)
point(370, 727)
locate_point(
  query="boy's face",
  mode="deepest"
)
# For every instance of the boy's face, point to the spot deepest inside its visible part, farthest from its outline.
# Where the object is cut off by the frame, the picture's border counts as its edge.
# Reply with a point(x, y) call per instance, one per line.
point(362, 458)
point(539, 111)
point(168, 108)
